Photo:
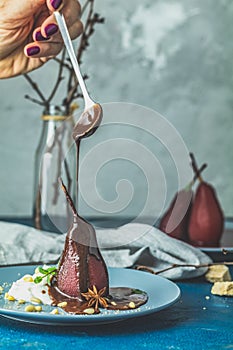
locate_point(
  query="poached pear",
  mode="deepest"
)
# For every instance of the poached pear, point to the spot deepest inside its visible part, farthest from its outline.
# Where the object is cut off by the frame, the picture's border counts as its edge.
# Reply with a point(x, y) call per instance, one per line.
point(81, 265)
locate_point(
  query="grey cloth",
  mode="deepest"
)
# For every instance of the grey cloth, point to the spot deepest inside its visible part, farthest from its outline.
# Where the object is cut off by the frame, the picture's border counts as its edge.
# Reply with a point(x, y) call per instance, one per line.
point(122, 247)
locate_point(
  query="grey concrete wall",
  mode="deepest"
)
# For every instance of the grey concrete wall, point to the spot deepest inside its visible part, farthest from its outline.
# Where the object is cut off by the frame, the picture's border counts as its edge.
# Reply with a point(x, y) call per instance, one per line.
point(174, 56)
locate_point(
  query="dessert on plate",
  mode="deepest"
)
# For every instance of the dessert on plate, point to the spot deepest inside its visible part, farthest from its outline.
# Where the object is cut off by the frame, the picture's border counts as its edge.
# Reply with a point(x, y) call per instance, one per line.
point(80, 283)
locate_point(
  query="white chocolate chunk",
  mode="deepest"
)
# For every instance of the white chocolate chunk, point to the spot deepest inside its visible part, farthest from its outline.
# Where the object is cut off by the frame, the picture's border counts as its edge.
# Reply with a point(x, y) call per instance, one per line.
point(222, 288)
point(218, 273)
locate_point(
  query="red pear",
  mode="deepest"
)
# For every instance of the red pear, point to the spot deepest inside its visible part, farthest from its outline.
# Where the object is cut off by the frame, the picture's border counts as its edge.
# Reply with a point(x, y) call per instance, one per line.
point(81, 265)
point(176, 219)
point(206, 220)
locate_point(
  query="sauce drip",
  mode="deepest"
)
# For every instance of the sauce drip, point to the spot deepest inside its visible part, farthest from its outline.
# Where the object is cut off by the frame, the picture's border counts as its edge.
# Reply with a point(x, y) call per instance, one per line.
point(82, 266)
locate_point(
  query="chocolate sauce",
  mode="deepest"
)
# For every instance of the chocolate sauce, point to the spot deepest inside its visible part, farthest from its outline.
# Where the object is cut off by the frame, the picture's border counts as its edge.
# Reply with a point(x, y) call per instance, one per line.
point(126, 298)
point(119, 298)
point(88, 123)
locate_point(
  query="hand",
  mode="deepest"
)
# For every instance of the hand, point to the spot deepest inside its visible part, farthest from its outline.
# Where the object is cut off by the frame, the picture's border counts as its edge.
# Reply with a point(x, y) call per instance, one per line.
point(29, 33)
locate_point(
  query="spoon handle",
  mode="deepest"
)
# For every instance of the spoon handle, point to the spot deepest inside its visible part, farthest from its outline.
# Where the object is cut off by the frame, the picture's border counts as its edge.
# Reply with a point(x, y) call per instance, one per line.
point(68, 44)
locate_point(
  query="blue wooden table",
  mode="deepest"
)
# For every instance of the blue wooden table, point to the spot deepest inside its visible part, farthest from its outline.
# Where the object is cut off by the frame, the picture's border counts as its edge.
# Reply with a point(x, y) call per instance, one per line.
point(198, 320)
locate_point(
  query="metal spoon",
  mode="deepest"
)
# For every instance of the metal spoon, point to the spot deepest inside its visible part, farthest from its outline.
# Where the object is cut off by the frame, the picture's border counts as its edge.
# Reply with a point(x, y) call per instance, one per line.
point(91, 118)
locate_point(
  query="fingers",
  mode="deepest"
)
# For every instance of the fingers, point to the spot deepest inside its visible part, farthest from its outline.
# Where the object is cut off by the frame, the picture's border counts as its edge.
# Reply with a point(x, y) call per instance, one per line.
point(75, 30)
point(57, 5)
point(42, 49)
point(54, 5)
point(71, 12)
point(47, 39)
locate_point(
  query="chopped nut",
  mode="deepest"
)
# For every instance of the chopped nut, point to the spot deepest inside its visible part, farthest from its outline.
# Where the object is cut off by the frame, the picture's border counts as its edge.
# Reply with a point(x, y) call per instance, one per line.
point(54, 312)
point(222, 288)
point(218, 273)
point(113, 303)
point(38, 308)
point(35, 300)
point(9, 297)
point(30, 308)
point(89, 311)
point(21, 301)
point(62, 304)
point(28, 278)
point(132, 305)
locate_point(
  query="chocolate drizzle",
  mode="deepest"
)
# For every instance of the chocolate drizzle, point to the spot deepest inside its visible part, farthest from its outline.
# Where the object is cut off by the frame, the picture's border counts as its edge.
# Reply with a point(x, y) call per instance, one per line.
point(119, 298)
point(82, 270)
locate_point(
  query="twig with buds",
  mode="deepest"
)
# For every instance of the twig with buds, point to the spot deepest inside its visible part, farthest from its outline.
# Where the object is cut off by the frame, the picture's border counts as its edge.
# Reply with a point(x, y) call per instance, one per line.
point(174, 266)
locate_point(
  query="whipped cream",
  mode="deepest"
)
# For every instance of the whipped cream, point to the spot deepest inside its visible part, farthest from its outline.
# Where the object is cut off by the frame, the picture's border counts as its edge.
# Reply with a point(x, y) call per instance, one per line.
point(22, 289)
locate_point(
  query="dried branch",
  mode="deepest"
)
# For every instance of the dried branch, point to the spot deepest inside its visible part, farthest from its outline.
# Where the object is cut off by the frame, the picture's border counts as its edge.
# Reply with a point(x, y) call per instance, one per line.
point(84, 7)
point(34, 100)
point(35, 88)
point(174, 266)
point(59, 77)
point(59, 61)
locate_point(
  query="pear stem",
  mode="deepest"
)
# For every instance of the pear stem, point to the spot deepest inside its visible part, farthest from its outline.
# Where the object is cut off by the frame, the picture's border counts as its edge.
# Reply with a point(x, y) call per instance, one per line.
point(195, 167)
point(69, 199)
point(150, 270)
point(196, 176)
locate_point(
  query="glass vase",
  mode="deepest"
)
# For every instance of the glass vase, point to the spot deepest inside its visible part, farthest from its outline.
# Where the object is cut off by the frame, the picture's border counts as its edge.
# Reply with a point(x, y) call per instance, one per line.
point(55, 158)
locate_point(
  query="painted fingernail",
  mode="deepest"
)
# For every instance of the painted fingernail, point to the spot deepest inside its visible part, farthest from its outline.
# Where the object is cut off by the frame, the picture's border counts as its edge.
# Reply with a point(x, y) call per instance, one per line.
point(56, 3)
point(51, 29)
point(33, 50)
point(40, 37)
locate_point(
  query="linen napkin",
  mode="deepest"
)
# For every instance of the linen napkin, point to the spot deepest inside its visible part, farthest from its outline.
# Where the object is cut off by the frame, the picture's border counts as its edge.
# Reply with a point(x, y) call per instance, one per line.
point(126, 246)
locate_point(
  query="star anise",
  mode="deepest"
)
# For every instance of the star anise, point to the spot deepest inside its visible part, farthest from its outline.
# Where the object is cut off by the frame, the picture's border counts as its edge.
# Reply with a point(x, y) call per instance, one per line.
point(95, 298)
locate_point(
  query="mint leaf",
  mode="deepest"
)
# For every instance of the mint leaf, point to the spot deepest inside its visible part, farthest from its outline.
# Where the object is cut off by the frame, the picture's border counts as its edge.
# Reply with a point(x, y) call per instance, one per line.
point(48, 273)
point(52, 269)
point(43, 271)
point(38, 279)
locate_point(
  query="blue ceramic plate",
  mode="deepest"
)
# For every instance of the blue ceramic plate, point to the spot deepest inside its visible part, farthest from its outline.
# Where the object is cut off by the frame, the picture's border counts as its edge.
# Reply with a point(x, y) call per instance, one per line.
point(162, 293)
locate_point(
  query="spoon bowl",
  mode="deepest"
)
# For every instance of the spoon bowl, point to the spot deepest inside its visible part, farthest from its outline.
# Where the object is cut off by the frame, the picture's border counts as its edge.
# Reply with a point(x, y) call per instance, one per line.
point(88, 122)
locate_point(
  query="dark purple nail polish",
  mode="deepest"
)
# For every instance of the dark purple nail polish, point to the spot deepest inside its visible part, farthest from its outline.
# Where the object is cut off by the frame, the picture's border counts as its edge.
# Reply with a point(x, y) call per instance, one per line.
point(33, 50)
point(56, 3)
point(51, 29)
point(39, 36)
